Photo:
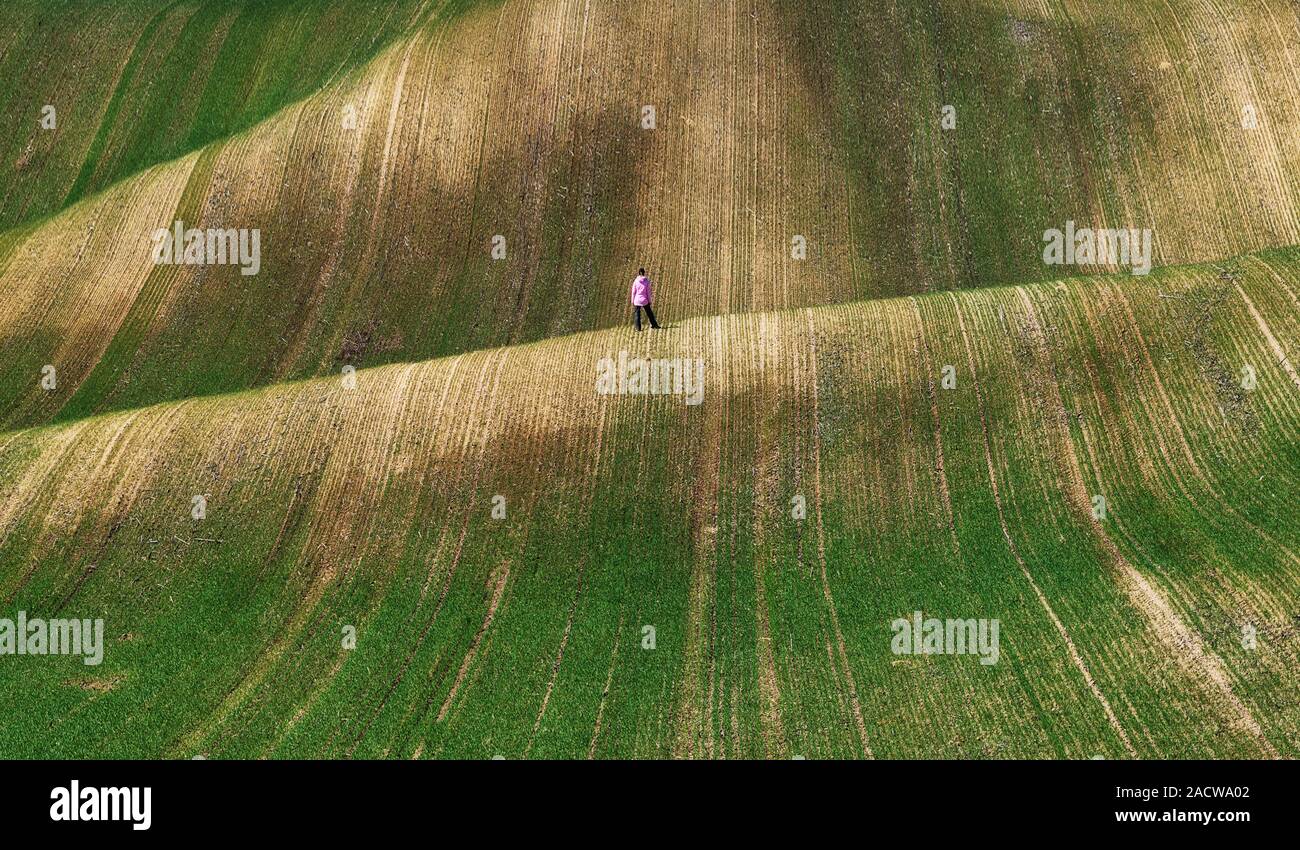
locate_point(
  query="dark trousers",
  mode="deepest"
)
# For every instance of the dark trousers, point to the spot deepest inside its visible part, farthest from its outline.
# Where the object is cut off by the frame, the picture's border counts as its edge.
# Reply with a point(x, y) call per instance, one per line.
point(650, 314)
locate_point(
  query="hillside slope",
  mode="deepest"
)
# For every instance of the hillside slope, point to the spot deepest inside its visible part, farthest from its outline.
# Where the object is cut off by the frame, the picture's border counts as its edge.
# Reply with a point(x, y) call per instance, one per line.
point(522, 120)
point(133, 83)
point(525, 635)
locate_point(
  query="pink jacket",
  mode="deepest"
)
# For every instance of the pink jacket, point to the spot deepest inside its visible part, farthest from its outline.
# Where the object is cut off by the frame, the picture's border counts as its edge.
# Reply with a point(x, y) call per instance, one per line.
point(641, 296)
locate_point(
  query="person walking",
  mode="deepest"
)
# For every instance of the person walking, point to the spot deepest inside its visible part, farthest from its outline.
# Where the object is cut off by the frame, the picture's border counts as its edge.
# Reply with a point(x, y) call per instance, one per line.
point(642, 297)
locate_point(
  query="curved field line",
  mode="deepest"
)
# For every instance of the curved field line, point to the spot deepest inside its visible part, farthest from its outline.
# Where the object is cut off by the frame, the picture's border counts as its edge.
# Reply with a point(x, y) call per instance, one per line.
point(1075, 657)
point(559, 659)
point(691, 726)
point(588, 498)
point(1283, 358)
point(604, 694)
point(767, 448)
point(465, 445)
point(941, 474)
point(846, 671)
point(1177, 427)
point(1188, 647)
point(497, 591)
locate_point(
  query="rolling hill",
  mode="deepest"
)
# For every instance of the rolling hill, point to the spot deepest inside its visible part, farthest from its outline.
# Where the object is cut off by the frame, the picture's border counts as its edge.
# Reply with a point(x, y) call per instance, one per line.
point(397, 436)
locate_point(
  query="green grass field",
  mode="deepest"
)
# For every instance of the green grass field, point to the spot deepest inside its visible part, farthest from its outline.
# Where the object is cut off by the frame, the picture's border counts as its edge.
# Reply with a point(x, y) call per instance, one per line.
point(425, 532)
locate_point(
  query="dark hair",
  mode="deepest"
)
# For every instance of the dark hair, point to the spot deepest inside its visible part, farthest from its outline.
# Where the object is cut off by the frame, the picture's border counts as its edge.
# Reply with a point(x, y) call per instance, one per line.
point(642, 271)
